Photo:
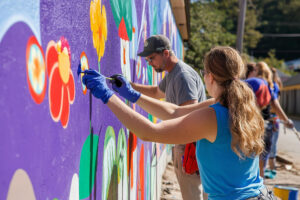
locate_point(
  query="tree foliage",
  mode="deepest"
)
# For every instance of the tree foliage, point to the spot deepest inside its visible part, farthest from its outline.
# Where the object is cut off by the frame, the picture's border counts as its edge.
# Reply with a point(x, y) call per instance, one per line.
point(214, 23)
point(278, 17)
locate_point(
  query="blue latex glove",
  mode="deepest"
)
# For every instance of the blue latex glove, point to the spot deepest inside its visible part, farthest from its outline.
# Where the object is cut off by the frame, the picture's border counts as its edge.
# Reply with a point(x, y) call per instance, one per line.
point(123, 87)
point(96, 82)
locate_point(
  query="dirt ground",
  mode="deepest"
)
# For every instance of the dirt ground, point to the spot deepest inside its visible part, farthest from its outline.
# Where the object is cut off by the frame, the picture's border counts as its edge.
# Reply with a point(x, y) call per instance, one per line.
point(170, 189)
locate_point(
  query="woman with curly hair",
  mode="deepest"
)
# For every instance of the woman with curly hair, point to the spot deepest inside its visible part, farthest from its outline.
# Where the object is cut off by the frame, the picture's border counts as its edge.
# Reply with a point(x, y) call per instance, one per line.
point(228, 128)
point(267, 98)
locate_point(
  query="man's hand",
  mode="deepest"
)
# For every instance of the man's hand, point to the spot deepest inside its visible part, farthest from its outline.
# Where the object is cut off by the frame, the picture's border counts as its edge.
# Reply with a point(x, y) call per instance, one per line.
point(124, 88)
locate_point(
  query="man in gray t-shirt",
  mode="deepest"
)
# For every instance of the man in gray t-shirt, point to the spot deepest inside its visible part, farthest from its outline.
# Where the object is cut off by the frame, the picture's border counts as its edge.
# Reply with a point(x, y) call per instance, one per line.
point(182, 86)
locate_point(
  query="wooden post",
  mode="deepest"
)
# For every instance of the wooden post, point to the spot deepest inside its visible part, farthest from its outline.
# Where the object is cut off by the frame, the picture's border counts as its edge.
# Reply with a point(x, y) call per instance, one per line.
point(241, 25)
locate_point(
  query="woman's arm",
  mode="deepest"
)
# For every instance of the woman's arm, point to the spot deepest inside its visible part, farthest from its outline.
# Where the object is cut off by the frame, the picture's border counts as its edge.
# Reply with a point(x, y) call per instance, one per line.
point(281, 114)
point(278, 110)
point(189, 128)
point(164, 110)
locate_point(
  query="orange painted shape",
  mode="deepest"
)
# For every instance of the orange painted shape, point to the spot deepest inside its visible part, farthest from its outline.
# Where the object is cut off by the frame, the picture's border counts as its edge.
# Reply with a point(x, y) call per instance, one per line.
point(51, 56)
point(122, 30)
point(142, 173)
point(55, 94)
point(132, 144)
point(71, 89)
point(64, 119)
point(124, 56)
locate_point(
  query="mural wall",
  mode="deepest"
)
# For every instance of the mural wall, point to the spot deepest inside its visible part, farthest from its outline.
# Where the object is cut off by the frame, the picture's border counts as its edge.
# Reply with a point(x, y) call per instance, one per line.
point(57, 141)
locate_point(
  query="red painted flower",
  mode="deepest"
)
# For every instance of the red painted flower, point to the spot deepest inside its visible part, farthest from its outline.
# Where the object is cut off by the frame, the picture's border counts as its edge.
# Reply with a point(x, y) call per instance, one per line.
point(36, 70)
point(61, 81)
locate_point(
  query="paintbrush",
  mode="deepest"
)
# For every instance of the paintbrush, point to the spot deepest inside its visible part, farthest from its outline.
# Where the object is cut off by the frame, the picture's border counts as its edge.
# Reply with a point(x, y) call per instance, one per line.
point(112, 79)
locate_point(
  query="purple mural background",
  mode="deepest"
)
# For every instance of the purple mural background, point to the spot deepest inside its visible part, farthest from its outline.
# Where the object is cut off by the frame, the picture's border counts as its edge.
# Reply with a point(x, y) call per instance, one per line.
point(31, 139)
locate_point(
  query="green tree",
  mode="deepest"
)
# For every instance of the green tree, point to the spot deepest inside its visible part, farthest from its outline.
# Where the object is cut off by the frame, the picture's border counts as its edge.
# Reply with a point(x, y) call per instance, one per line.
point(278, 17)
point(206, 32)
point(214, 23)
point(231, 9)
point(272, 61)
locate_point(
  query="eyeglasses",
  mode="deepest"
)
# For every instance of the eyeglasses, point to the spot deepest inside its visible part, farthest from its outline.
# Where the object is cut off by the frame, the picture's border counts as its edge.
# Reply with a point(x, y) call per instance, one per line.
point(203, 72)
point(150, 59)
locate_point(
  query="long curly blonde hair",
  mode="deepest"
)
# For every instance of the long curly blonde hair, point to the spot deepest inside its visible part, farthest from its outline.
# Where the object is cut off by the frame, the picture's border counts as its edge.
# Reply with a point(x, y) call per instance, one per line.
point(276, 77)
point(265, 72)
point(246, 122)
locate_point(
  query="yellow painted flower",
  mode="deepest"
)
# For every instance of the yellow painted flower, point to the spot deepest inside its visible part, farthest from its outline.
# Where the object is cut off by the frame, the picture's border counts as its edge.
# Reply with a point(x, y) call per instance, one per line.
point(98, 26)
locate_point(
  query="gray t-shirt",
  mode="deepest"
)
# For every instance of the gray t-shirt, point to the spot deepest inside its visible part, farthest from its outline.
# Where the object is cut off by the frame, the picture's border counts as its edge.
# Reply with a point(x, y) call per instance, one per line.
point(182, 84)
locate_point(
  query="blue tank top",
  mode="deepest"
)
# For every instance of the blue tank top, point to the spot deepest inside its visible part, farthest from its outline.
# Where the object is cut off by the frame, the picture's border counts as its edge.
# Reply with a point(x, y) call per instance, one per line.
point(224, 175)
point(276, 90)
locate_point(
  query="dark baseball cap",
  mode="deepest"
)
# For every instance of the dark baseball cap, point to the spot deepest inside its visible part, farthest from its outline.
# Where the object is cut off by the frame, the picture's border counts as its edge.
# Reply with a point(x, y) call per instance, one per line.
point(155, 43)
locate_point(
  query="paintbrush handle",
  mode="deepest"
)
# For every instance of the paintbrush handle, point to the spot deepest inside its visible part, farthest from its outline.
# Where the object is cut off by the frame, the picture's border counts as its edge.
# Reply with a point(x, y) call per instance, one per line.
point(109, 78)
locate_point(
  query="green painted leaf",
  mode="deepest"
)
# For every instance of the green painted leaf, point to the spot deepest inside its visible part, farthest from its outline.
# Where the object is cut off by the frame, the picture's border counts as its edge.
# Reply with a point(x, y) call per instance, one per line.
point(88, 165)
point(116, 10)
point(122, 9)
point(127, 14)
point(109, 157)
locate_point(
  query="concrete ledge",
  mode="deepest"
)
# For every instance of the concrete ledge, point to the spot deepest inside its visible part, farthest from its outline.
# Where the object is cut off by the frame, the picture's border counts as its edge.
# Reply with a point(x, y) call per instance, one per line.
point(283, 160)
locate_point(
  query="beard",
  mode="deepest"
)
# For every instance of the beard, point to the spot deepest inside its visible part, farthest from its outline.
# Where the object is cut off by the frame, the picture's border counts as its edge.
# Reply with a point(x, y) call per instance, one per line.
point(159, 70)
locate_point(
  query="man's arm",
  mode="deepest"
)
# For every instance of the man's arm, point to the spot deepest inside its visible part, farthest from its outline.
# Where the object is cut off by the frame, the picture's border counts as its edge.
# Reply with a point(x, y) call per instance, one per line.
point(149, 90)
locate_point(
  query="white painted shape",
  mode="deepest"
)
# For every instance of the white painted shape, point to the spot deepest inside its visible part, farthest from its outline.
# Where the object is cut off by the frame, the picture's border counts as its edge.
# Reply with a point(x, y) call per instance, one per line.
point(74, 190)
point(125, 67)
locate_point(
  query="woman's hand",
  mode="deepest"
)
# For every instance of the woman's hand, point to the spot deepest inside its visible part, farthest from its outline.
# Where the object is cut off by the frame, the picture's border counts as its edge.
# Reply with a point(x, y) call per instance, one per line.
point(96, 83)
